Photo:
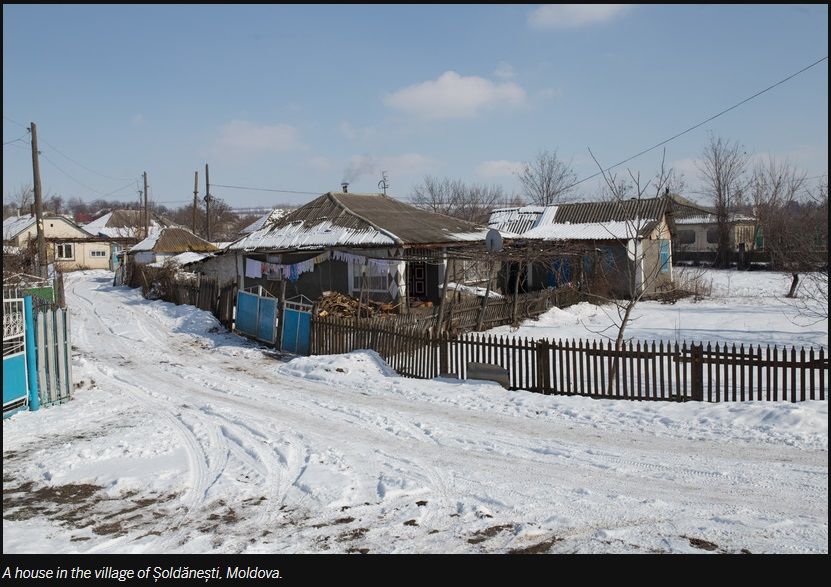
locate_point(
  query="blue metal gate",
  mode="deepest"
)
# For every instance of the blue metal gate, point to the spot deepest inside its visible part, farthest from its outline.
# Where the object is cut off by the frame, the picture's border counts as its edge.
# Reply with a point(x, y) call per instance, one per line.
point(18, 355)
point(257, 316)
point(297, 327)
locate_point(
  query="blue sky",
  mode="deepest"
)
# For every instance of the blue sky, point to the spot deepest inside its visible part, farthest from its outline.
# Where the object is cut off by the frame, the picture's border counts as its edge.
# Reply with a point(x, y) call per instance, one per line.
point(302, 97)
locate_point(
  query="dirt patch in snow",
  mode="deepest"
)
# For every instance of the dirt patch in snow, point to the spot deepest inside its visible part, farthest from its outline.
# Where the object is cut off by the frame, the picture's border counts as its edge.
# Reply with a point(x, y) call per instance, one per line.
point(483, 535)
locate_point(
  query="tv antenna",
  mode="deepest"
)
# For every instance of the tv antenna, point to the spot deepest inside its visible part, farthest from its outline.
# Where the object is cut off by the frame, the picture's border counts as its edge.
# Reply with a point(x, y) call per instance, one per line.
point(384, 184)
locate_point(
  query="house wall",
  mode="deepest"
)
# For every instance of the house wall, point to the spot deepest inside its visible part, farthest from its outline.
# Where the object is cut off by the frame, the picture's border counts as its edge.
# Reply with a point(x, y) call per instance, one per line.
point(655, 278)
point(222, 267)
point(83, 257)
point(327, 276)
point(739, 233)
point(52, 228)
point(144, 257)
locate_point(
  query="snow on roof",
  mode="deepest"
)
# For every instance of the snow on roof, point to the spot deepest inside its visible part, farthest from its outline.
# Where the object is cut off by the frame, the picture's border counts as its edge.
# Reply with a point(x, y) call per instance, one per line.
point(515, 220)
point(181, 259)
point(344, 219)
point(146, 244)
point(298, 236)
point(712, 219)
point(265, 220)
point(15, 225)
point(581, 220)
point(589, 230)
point(174, 240)
point(124, 224)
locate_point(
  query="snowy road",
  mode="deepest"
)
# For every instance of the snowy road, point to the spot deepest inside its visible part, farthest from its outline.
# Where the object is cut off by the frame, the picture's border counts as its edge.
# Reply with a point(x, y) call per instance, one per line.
point(183, 438)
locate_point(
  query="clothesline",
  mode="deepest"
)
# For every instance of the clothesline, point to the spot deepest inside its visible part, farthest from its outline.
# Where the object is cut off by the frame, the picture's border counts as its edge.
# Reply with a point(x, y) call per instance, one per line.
point(292, 272)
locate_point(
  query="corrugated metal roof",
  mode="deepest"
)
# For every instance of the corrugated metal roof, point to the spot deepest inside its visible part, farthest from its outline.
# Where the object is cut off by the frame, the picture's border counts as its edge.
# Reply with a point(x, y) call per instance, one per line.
point(515, 220)
point(343, 219)
point(582, 220)
point(174, 240)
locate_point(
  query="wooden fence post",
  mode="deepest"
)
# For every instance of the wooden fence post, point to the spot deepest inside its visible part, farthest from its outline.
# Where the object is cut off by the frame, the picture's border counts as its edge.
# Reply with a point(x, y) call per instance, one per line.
point(697, 372)
point(444, 360)
point(543, 376)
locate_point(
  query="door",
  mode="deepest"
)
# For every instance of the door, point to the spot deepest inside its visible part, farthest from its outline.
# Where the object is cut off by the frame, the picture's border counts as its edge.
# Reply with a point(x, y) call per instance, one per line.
point(417, 280)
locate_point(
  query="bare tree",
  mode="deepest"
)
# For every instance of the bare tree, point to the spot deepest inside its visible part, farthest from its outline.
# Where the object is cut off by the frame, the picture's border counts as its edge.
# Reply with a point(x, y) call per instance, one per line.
point(453, 197)
point(637, 274)
point(723, 167)
point(19, 202)
point(638, 277)
point(546, 179)
point(775, 188)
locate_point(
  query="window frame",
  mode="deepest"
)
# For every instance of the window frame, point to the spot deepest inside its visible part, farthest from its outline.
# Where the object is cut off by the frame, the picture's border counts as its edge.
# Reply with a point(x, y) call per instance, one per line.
point(60, 248)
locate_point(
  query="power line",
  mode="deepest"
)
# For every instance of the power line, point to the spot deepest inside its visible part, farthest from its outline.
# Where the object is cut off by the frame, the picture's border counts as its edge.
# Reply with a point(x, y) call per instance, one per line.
point(20, 138)
point(81, 164)
point(15, 122)
point(237, 187)
point(703, 122)
point(55, 165)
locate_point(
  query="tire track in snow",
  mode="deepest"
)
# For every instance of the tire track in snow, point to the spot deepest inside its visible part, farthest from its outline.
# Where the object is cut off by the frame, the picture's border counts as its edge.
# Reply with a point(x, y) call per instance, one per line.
point(308, 406)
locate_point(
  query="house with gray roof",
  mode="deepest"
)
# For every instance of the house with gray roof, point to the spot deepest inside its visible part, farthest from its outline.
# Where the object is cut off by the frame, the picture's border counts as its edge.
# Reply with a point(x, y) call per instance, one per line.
point(622, 245)
point(351, 243)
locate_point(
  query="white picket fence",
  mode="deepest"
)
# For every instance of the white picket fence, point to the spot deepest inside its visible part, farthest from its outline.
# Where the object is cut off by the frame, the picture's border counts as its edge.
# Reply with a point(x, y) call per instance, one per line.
point(54, 353)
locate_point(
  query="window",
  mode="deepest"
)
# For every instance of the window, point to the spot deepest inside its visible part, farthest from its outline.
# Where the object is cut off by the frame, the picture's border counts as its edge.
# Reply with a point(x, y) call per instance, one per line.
point(686, 237)
point(98, 253)
point(712, 235)
point(65, 251)
point(377, 277)
point(664, 256)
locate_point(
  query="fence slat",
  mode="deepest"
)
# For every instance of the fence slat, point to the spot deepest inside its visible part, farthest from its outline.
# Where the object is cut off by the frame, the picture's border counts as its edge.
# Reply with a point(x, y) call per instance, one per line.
point(634, 370)
point(62, 390)
point(50, 355)
point(40, 341)
point(69, 378)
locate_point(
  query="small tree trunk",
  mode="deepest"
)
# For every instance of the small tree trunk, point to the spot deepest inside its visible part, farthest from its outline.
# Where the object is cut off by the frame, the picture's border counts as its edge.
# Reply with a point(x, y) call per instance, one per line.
point(794, 283)
point(613, 362)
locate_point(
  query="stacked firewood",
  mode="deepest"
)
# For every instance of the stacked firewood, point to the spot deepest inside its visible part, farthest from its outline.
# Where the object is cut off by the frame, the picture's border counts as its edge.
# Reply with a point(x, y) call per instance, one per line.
point(337, 304)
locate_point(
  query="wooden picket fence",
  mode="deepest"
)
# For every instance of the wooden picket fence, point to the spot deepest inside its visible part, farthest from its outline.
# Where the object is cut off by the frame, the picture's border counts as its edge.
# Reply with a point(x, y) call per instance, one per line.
point(636, 370)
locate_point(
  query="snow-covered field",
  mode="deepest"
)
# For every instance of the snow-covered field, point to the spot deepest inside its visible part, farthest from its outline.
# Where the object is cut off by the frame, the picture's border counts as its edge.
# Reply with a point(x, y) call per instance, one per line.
point(184, 438)
point(746, 307)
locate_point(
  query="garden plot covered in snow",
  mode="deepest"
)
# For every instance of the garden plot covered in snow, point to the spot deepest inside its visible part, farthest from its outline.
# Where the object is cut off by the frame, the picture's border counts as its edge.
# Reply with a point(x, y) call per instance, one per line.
point(182, 437)
point(744, 307)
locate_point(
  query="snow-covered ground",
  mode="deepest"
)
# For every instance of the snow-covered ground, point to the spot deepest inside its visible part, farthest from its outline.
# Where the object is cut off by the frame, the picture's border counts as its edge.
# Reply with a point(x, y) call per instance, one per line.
point(184, 438)
point(745, 307)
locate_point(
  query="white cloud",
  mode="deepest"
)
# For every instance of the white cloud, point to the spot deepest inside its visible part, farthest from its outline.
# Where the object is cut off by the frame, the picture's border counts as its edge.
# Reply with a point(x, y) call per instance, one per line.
point(455, 96)
point(500, 168)
point(240, 139)
point(564, 16)
point(408, 164)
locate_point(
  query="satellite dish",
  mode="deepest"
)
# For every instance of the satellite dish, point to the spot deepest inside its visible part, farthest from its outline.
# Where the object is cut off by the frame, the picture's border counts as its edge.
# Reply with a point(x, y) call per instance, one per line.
point(493, 240)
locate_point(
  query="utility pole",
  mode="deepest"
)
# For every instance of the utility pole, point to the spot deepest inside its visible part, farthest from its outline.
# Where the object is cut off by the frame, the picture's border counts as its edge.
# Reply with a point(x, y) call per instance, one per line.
point(146, 215)
point(207, 205)
point(42, 262)
point(195, 201)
